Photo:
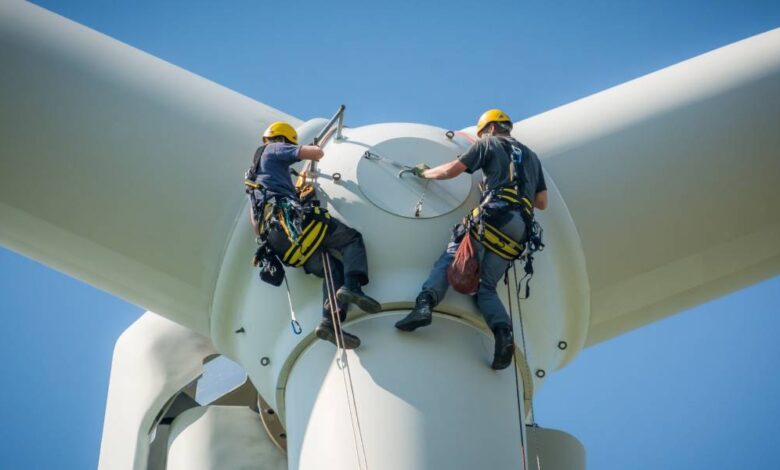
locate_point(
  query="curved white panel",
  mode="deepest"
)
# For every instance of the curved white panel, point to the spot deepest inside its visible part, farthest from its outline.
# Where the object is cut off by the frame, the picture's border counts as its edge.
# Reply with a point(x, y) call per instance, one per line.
point(551, 449)
point(117, 167)
point(153, 359)
point(424, 400)
point(672, 181)
point(221, 438)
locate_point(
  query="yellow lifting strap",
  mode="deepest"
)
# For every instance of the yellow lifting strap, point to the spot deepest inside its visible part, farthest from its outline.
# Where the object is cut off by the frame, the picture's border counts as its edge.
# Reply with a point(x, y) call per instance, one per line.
point(309, 240)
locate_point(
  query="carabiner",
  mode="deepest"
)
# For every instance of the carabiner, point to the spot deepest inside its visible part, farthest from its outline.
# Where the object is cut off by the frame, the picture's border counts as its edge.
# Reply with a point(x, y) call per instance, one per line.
point(296, 327)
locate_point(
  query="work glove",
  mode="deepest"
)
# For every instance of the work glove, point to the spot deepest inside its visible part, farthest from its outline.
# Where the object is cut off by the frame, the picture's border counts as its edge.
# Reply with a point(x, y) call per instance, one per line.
point(419, 169)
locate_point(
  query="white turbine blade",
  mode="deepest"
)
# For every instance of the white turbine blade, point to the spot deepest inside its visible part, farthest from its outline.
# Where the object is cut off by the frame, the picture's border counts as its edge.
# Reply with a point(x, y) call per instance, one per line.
point(673, 181)
point(117, 167)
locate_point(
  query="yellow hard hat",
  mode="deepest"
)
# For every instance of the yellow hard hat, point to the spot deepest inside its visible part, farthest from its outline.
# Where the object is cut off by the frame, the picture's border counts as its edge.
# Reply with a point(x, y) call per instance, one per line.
point(491, 115)
point(281, 128)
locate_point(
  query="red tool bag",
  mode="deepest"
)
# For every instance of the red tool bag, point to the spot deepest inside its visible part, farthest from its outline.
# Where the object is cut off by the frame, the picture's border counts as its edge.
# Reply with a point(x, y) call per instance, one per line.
point(463, 273)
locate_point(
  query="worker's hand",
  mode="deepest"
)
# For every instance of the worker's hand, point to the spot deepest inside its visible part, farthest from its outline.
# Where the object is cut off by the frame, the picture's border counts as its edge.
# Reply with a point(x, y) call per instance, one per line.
point(419, 170)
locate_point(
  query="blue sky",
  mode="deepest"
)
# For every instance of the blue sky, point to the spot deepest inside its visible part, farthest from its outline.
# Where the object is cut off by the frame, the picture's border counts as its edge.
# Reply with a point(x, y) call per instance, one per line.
point(695, 391)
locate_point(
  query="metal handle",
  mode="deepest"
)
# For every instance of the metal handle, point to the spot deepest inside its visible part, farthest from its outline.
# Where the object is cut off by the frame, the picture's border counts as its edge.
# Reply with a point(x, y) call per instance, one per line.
point(339, 116)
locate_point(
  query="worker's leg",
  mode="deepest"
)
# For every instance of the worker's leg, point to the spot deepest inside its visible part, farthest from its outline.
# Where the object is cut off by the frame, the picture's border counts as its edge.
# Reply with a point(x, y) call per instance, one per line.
point(492, 269)
point(326, 330)
point(348, 242)
point(337, 274)
point(434, 288)
point(436, 284)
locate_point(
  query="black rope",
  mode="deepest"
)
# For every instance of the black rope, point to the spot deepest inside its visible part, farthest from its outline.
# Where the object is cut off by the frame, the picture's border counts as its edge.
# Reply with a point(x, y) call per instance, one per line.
point(514, 367)
point(522, 332)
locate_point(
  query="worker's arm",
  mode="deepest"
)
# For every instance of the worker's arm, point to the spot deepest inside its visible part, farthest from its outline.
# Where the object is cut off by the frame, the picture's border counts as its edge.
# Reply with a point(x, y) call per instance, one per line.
point(540, 201)
point(310, 152)
point(445, 171)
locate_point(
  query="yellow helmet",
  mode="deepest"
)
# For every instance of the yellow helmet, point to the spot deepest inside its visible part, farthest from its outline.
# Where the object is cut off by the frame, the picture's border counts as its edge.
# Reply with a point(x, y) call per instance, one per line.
point(491, 115)
point(283, 129)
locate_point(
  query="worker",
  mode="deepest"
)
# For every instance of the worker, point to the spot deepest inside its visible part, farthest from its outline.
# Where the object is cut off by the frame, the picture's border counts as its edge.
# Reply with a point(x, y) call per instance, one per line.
point(282, 220)
point(513, 185)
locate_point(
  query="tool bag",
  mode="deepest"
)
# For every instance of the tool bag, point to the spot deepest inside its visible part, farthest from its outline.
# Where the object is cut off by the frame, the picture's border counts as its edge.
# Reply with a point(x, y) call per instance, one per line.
point(271, 269)
point(463, 272)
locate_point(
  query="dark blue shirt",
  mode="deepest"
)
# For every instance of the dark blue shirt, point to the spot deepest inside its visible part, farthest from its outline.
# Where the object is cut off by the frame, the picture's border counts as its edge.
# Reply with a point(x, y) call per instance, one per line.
point(273, 172)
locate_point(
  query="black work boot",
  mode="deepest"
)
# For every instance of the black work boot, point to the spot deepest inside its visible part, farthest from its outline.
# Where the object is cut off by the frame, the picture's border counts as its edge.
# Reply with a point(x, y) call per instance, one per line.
point(351, 293)
point(420, 316)
point(505, 347)
point(327, 332)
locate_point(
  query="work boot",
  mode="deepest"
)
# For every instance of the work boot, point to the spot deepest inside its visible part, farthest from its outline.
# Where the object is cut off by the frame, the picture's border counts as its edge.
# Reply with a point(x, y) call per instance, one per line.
point(327, 332)
point(420, 316)
point(505, 347)
point(355, 295)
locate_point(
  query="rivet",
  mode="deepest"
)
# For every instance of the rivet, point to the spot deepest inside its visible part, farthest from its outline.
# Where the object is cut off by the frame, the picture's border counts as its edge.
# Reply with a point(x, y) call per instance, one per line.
point(264, 361)
point(450, 134)
point(540, 373)
point(562, 345)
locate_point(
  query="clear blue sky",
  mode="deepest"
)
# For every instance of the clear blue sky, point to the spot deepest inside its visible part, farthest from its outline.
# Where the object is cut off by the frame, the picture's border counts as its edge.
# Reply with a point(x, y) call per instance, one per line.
point(696, 391)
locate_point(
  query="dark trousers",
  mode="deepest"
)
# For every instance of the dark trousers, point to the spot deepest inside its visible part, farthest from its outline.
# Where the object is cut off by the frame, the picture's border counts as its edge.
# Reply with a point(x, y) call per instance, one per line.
point(348, 262)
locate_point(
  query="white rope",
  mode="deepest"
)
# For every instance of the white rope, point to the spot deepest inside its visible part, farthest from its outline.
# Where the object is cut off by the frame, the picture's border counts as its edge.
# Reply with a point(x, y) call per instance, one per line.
point(520, 418)
point(342, 359)
point(522, 332)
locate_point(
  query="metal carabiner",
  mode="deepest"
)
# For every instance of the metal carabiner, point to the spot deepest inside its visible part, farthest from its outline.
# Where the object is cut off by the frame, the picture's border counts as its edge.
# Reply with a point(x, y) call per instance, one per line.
point(296, 327)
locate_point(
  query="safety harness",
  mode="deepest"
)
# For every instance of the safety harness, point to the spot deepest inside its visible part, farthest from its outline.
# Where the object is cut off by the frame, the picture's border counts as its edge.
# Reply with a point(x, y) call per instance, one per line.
point(483, 223)
point(289, 229)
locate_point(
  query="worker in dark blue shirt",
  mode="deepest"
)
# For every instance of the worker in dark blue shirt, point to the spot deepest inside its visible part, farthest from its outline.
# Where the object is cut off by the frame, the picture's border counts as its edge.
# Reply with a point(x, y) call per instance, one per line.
point(503, 181)
point(343, 244)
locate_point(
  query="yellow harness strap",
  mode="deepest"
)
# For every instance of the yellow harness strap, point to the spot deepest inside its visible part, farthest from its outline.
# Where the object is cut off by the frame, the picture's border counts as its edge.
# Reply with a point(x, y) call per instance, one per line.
point(494, 239)
point(309, 241)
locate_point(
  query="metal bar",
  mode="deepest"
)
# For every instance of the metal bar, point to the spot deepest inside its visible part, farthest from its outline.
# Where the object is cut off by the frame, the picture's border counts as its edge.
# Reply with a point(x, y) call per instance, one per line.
point(338, 116)
point(340, 127)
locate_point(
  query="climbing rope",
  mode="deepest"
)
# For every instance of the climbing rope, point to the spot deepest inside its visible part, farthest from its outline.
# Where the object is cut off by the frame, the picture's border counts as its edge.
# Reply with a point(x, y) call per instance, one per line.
point(343, 362)
point(522, 332)
point(520, 418)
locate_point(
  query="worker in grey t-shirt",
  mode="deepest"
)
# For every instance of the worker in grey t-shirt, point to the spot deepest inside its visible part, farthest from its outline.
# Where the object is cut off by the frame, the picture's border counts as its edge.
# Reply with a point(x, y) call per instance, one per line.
point(492, 154)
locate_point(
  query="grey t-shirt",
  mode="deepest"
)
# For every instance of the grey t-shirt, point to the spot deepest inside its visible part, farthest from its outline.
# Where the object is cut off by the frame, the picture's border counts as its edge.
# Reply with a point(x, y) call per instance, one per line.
point(492, 155)
point(273, 172)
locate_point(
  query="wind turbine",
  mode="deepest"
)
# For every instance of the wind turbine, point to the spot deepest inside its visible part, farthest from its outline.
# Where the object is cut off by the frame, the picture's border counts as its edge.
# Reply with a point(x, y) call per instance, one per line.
point(139, 160)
